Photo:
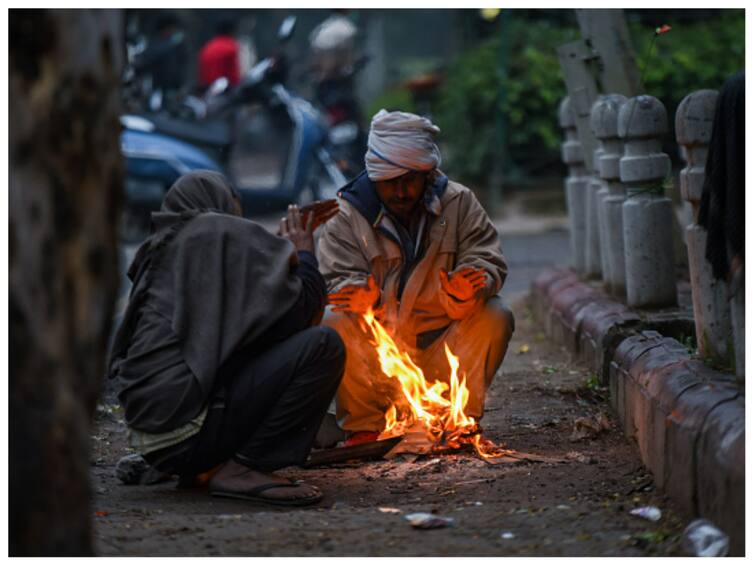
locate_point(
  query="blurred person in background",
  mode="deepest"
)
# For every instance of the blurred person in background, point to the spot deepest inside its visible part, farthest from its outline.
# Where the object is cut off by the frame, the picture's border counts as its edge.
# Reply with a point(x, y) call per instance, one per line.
point(247, 48)
point(334, 67)
point(220, 56)
point(332, 44)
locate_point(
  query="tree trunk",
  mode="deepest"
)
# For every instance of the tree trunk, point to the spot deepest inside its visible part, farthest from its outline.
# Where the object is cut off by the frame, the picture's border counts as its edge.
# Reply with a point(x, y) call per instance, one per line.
point(66, 183)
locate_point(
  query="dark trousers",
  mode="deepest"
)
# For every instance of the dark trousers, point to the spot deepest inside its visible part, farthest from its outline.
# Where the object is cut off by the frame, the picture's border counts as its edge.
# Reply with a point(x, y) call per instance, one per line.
point(272, 405)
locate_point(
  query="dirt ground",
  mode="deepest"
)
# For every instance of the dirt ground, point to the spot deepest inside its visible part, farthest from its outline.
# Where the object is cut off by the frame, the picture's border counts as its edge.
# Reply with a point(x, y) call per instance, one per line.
point(577, 507)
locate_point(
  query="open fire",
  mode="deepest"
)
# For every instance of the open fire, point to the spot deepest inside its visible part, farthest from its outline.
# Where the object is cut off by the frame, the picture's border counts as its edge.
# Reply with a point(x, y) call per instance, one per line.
point(438, 408)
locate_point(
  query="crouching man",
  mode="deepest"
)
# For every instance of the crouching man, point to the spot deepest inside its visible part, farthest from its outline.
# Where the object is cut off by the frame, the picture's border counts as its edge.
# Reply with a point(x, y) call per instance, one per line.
point(219, 360)
point(421, 251)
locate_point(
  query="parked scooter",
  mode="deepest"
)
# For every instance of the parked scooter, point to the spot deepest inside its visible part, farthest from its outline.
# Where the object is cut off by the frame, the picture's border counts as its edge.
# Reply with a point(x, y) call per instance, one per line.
point(337, 97)
point(159, 148)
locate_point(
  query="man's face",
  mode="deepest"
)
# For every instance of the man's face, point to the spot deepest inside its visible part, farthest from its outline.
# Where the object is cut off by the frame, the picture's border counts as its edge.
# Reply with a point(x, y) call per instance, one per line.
point(401, 194)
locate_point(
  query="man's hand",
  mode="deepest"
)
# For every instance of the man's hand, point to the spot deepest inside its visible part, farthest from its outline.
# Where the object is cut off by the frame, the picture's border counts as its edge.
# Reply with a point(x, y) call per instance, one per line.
point(320, 211)
point(292, 227)
point(355, 298)
point(464, 283)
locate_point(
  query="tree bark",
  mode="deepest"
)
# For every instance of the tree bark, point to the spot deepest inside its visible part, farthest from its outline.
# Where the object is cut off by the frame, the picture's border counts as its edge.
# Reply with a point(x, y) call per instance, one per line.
point(66, 183)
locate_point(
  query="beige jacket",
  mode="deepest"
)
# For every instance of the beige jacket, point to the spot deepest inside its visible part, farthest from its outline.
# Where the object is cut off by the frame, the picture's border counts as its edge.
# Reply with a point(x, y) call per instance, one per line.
point(350, 249)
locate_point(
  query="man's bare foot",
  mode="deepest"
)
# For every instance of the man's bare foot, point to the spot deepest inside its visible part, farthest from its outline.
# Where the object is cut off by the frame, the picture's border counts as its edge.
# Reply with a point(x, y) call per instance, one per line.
point(235, 480)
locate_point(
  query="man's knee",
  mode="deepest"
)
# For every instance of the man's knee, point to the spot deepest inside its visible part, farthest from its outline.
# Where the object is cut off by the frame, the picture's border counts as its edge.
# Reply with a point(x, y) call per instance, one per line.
point(322, 347)
point(344, 323)
point(499, 318)
point(333, 347)
point(510, 322)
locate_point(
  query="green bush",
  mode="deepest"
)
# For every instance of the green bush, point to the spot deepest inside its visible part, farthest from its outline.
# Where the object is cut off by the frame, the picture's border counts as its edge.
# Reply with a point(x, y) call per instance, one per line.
point(528, 95)
point(397, 98)
point(692, 56)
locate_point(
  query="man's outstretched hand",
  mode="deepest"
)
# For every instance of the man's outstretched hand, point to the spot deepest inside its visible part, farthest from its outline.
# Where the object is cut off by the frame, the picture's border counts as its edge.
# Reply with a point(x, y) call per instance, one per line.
point(463, 283)
point(320, 211)
point(355, 298)
point(293, 227)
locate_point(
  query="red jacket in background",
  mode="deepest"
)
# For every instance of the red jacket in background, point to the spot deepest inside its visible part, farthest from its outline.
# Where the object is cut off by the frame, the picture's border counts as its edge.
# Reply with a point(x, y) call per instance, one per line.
point(219, 58)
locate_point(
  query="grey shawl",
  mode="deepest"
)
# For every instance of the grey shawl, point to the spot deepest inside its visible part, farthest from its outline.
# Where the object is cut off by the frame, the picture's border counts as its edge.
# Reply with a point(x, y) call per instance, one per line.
point(219, 279)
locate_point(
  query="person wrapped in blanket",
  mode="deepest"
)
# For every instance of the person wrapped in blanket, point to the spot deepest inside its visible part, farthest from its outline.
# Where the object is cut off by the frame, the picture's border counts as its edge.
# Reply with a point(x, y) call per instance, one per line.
point(219, 360)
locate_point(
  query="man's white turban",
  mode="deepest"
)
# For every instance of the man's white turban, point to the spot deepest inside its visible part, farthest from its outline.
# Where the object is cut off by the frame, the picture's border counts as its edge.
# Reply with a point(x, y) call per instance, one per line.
point(400, 142)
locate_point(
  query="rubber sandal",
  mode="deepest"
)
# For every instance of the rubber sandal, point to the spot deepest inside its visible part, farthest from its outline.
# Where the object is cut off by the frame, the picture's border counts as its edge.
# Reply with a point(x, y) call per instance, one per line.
point(255, 495)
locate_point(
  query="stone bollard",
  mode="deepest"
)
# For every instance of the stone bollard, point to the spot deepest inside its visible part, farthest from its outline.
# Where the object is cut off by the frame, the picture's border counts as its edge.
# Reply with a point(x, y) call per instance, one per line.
point(604, 120)
point(575, 184)
point(694, 125)
point(593, 250)
point(600, 196)
point(647, 215)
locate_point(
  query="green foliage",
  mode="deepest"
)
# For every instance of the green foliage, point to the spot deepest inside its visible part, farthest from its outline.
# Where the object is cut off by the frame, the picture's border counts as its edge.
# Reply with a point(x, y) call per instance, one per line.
point(688, 342)
point(592, 383)
point(692, 56)
point(527, 93)
point(397, 98)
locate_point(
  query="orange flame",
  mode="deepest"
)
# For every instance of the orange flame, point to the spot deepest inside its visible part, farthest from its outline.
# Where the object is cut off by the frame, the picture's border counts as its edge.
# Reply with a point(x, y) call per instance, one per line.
point(438, 407)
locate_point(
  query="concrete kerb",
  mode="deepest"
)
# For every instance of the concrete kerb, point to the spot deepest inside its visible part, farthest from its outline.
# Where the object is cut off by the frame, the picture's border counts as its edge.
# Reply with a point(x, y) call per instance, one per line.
point(542, 283)
point(549, 288)
point(687, 419)
point(602, 330)
point(567, 304)
point(670, 383)
point(721, 447)
point(684, 427)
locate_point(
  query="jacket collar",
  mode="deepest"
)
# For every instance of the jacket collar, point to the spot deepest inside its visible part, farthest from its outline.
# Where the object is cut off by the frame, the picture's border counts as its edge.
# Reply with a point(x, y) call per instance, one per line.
point(361, 193)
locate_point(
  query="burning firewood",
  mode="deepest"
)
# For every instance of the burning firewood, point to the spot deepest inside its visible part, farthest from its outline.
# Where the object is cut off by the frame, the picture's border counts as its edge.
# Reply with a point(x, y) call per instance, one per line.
point(364, 451)
point(431, 416)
